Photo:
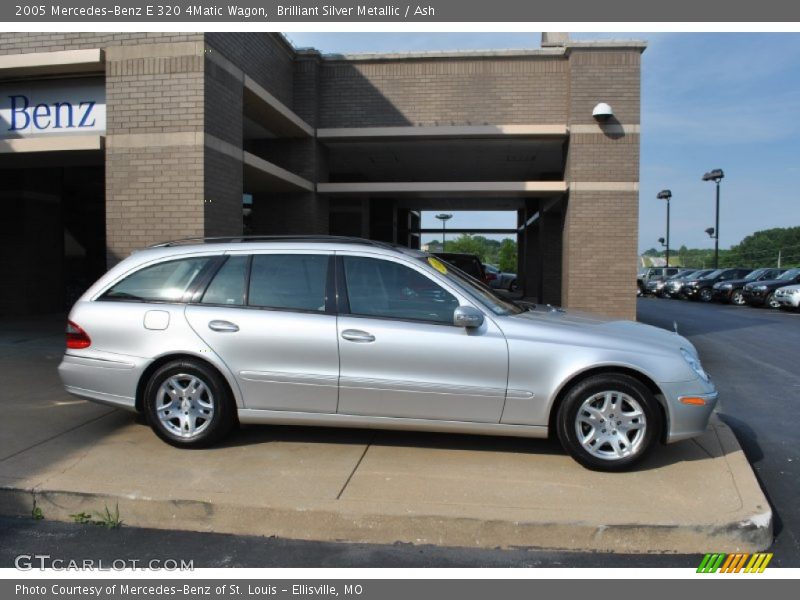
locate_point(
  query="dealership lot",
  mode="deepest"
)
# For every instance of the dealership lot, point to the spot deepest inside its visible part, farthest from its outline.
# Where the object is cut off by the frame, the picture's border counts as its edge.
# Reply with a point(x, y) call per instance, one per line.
point(358, 485)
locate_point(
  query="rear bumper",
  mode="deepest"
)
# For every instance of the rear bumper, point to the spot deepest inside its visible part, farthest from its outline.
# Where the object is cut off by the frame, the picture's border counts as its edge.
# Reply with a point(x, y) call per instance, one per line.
point(106, 380)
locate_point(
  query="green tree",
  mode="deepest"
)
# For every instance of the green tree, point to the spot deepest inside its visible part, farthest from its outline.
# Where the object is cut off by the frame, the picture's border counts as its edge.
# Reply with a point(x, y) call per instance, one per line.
point(507, 258)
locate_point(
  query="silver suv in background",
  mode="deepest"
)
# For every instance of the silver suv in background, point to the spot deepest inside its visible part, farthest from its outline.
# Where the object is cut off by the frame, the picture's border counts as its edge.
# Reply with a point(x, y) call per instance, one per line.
point(201, 334)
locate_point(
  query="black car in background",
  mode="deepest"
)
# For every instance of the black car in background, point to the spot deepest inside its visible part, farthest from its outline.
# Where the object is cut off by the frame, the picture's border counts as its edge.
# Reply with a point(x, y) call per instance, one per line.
point(674, 286)
point(703, 288)
point(759, 293)
point(733, 290)
point(469, 263)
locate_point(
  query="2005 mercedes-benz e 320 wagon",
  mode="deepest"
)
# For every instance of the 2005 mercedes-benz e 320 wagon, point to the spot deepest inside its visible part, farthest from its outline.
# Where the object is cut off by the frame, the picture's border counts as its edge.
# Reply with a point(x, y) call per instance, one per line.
point(198, 335)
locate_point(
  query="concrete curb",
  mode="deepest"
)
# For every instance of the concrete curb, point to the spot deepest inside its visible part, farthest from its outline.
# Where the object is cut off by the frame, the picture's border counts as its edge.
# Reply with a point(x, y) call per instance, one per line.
point(747, 529)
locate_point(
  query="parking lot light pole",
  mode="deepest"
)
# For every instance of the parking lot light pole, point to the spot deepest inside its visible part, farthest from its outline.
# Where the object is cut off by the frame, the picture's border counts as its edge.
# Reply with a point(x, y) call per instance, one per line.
point(716, 176)
point(666, 195)
point(444, 218)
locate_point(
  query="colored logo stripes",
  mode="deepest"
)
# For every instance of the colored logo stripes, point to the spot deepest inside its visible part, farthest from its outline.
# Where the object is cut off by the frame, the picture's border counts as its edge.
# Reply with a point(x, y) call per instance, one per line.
point(735, 563)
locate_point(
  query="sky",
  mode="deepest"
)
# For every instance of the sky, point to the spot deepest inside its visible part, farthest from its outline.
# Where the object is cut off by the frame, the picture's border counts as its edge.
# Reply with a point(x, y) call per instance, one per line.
point(721, 100)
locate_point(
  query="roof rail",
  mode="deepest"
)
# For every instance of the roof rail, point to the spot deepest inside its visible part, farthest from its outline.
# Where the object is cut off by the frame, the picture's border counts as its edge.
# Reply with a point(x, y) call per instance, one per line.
point(272, 238)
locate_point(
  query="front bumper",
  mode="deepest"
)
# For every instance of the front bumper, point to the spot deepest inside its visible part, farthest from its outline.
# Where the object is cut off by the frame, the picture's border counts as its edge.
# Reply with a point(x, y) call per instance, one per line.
point(688, 420)
point(722, 294)
point(690, 291)
point(792, 301)
point(755, 296)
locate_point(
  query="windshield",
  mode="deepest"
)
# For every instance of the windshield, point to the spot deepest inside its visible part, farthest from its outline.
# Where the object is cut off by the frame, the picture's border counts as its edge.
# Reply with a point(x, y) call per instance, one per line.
point(790, 274)
point(713, 274)
point(680, 276)
point(475, 289)
point(755, 274)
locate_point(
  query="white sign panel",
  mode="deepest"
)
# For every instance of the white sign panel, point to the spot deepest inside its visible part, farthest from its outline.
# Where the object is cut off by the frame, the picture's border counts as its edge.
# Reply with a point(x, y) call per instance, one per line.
point(52, 107)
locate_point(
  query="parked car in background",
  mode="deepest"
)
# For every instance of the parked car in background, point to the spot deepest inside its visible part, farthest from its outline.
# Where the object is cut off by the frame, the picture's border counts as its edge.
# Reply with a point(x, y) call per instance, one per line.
point(657, 287)
point(762, 293)
point(500, 280)
point(674, 287)
point(653, 273)
point(703, 288)
point(733, 290)
point(469, 263)
point(199, 335)
point(788, 297)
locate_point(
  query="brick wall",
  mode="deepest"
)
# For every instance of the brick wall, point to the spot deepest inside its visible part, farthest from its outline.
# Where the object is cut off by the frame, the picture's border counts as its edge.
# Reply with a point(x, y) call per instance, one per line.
point(154, 157)
point(266, 57)
point(496, 90)
point(25, 42)
point(601, 225)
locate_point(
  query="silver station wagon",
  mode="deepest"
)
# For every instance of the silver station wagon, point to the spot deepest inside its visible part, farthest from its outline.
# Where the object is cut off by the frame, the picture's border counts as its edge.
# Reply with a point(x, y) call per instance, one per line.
point(201, 334)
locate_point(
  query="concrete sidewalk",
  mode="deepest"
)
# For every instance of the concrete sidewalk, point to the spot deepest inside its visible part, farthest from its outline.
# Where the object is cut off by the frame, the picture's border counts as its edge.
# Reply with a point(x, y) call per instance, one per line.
point(362, 486)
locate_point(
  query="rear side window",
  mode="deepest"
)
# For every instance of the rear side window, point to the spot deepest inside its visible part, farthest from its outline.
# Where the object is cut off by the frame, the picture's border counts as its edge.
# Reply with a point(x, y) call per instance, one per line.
point(289, 281)
point(164, 282)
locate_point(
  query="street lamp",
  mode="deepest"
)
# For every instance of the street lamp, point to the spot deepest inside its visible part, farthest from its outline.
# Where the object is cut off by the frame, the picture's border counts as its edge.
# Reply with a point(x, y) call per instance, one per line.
point(666, 195)
point(710, 232)
point(444, 218)
point(716, 176)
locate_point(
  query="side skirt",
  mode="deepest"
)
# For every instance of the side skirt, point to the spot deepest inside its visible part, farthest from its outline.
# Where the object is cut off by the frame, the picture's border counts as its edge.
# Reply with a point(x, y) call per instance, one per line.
point(280, 417)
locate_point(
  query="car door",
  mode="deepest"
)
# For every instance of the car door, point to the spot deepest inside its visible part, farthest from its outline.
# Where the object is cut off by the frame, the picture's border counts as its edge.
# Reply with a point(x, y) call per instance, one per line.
point(400, 354)
point(270, 319)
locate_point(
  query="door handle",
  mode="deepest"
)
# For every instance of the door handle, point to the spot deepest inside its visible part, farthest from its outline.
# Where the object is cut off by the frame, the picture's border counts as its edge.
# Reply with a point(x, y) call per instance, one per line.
point(356, 335)
point(223, 326)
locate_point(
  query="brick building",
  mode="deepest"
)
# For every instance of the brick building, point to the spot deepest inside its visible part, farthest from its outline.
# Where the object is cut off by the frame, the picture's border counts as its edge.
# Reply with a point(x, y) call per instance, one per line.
point(109, 142)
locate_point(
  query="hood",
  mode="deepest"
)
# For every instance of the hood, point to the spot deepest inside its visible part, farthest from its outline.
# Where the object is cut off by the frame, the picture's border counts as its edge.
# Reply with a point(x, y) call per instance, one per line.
point(772, 283)
point(594, 330)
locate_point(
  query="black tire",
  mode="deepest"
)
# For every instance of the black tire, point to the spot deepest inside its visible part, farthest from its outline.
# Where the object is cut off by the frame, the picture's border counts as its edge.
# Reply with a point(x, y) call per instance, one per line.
point(770, 301)
point(214, 399)
point(737, 297)
point(512, 287)
point(706, 295)
point(597, 385)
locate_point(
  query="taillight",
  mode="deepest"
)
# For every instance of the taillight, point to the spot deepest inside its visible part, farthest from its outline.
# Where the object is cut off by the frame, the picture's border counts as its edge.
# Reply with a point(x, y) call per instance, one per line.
point(490, 276)
point(77, 338)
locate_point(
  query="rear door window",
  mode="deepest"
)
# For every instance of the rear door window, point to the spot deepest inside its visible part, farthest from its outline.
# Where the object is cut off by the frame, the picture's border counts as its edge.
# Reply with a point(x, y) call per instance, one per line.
point(289, 281)
point(227, 287)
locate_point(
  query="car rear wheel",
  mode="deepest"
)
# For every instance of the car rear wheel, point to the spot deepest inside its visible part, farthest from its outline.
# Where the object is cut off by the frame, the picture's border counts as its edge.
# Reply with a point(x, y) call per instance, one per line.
point(737, 298)
point(608, 422)
point(771, 302)
point(512, 287)
point(706, 294)
point(188, 405)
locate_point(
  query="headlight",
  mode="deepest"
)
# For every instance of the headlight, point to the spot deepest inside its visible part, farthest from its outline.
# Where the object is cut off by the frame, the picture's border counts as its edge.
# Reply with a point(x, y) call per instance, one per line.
point(694, 364)
point(726, 286)
point(760, 288)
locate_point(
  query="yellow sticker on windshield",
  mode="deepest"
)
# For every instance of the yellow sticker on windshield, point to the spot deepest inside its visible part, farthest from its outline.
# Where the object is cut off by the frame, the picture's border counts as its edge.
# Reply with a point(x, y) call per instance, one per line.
point(437, 264)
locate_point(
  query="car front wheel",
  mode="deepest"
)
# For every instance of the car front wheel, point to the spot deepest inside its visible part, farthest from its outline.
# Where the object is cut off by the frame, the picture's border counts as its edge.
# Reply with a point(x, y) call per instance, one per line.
point(188, 404)
point(608, 422)
point(706, 294)
point(737, 298)
point(771, 302)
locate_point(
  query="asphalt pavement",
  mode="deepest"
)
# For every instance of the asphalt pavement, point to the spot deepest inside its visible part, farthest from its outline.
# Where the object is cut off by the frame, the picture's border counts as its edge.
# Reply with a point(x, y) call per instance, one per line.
point(752, 356)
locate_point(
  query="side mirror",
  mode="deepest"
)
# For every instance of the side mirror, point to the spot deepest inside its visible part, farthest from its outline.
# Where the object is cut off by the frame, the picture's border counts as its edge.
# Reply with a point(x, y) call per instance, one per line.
point(467, 316)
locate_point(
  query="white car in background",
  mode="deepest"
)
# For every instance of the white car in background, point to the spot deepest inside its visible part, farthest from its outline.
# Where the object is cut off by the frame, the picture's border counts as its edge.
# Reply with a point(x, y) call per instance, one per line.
point(788, 296)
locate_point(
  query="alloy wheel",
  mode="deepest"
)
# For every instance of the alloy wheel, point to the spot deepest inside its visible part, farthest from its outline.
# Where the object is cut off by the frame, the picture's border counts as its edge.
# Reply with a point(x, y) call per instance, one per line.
point(737, 298)
point(610, 425)
point(185, 405)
